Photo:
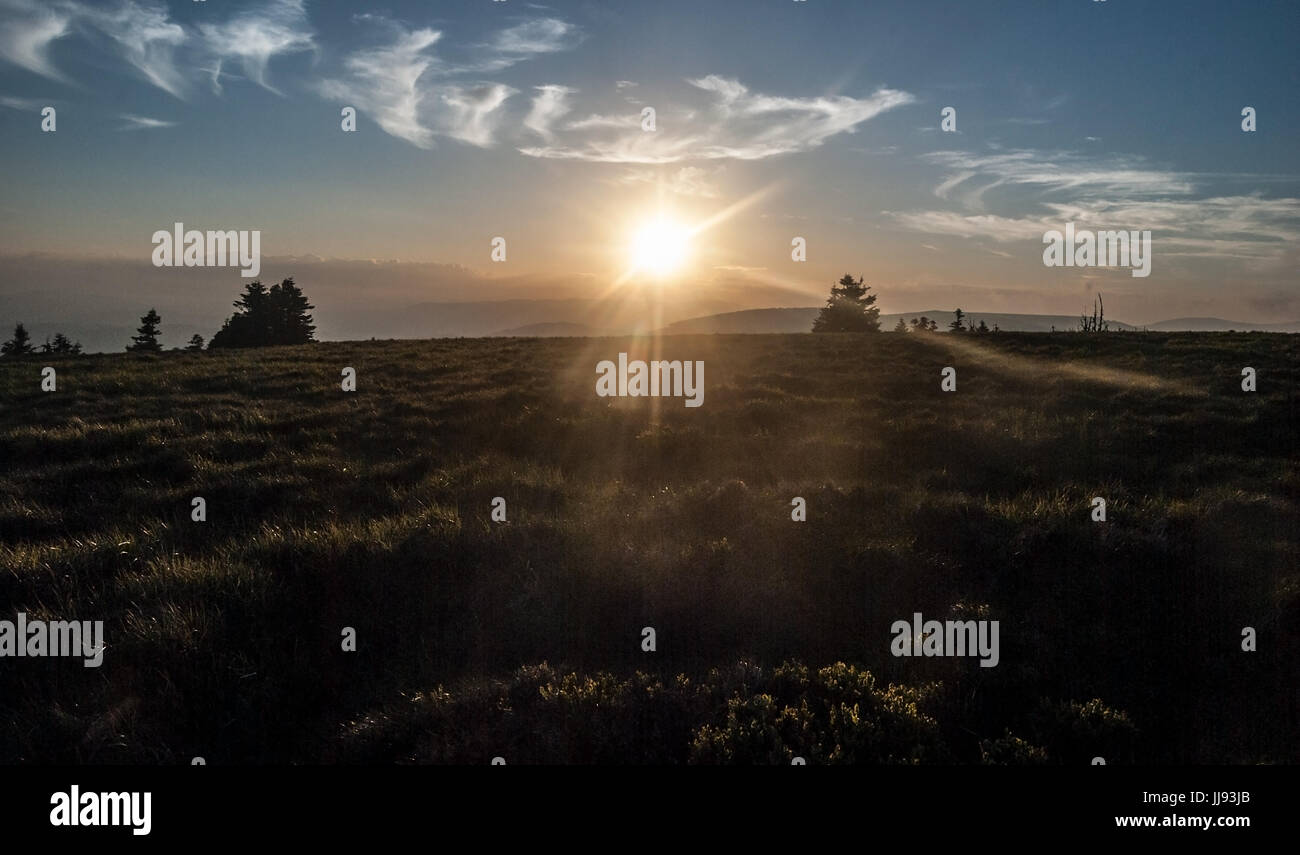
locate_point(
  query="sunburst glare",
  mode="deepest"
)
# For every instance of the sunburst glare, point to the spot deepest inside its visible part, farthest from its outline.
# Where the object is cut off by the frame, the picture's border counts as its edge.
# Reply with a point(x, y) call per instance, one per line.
point(660, 247)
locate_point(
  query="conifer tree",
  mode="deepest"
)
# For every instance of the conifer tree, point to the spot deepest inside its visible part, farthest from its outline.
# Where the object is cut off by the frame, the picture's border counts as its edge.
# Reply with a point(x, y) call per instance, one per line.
point(849, 308)
point(145, 339)
point(20, 344)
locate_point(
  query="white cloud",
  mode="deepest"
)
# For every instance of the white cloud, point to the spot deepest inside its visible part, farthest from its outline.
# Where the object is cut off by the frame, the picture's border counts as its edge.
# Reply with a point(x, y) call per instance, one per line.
point(989, 226)
point(470, 114)
point(141, 32)
point(1108, 192)
point(625, 121)
point(26, 31)
point(734, 124)
point(525, 41)
point(254, 37)
point(15, 103)
point(146, 37)
point(407, 90)
point(518, 43)
point(549, 105)
point(949, 183)
point(1249, 218)
point(384, 84)
point(416, 96)
point(135, 123)
point(1059, 171)
point(1244, 227)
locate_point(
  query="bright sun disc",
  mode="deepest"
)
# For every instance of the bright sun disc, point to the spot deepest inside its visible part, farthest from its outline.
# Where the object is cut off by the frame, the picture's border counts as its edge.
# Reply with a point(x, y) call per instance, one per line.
point(660, 248)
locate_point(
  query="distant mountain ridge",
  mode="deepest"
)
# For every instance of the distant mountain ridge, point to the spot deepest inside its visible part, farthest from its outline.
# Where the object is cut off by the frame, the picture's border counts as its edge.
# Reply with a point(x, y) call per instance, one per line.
point(1220, 325)
point(748, 321)
point(106, 324)
point(793, 320)
point(550, 330)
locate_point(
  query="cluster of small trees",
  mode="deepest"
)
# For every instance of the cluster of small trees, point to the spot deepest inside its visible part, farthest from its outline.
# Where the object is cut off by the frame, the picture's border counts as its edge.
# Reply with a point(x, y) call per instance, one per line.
point(21, 344)
point(961, 323)
point(266, 316)
point(61, 344)
point(145, 339)
point(277, 315)
point(851, 309)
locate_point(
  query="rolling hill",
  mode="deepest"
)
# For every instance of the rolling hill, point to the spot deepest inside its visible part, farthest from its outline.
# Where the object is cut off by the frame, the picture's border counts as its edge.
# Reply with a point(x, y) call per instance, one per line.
point(793, 320)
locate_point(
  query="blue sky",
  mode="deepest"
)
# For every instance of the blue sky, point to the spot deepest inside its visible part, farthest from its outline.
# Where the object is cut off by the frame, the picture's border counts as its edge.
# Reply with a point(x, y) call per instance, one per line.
point(775, 119)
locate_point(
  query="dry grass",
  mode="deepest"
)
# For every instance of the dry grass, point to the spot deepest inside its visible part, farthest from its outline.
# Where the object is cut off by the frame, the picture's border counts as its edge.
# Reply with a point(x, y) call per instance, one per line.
point(371, 510)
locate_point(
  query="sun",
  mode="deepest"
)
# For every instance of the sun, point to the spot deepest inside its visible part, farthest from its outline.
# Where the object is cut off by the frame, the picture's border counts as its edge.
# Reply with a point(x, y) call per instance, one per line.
point(660, 247)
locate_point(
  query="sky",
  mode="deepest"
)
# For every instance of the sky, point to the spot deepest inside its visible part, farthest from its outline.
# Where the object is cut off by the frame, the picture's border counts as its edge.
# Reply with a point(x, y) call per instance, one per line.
point(774, 120)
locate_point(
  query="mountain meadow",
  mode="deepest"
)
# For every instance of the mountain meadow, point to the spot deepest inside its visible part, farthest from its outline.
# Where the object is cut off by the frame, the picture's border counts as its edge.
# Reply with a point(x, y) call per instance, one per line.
point(473, 637)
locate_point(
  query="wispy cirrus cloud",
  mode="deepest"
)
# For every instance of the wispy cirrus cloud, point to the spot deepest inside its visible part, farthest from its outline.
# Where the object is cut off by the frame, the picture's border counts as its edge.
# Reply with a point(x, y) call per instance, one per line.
point(384, 82)
point(142, 34)
point(1045, 189)
point(417, 96)
point(470, 114)
point(13, 102)
point(1107, 192)
point(973, 175)
point(735, 123)
point(136, 123)
point(550, 104)
point(417, 89)
point(27, 29)
point(522, 42)
point(622, 121)
point(145, 36)
point(990, 226)
point(1248, 227)
point(256, 36)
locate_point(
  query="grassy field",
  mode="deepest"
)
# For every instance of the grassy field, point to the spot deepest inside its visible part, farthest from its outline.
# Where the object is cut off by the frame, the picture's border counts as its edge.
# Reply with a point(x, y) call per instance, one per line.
point(522, 639)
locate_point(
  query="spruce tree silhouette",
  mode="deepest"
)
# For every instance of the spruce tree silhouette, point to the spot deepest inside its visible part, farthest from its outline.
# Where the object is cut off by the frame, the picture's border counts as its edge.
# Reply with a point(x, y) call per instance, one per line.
point(849, 308)
point(20, 344)
point(277, 315)
point(63, 344)
point(145, 339)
